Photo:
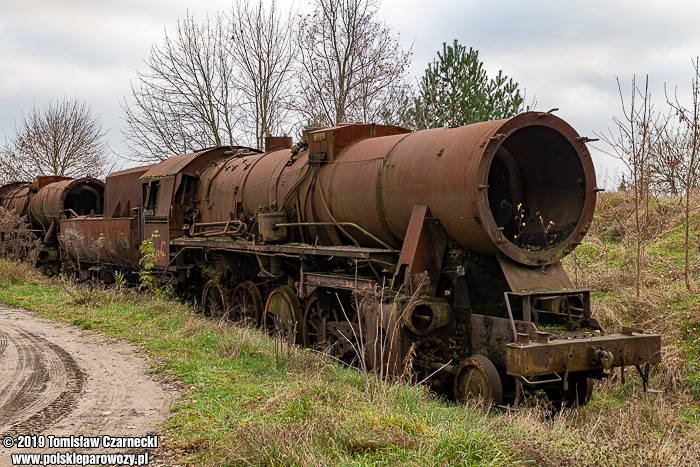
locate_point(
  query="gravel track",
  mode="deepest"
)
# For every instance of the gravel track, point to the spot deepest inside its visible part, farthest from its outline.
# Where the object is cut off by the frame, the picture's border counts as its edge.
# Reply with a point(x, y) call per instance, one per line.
point(57, 379)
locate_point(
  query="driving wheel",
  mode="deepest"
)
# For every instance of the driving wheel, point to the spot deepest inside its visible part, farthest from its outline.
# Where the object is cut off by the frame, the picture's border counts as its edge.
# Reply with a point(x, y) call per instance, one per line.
point(282, 316)
point(246, 303)
point(313, 324)
point(214, 301)
point(477, 379)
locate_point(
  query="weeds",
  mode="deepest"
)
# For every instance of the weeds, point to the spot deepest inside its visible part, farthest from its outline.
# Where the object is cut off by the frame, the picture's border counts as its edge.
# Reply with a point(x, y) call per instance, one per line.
point(12, 273)
point(120, 281)
point(147, 263)
point(249, 399)
point(622, 425)
point(640, 430)
point(17, 242)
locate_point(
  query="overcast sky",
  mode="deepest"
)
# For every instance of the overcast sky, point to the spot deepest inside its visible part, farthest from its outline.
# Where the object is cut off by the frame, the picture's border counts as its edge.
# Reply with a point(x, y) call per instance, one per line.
point(566, 54)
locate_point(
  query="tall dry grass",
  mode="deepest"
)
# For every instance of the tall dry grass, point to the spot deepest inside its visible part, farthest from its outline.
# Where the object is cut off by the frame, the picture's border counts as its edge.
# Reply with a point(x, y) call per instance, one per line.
point(645, 430)
point(17, 242)
point(623, 425)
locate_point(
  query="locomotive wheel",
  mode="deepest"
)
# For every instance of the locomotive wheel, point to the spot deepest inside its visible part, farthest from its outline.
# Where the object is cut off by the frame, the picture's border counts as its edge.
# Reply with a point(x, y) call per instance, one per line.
point(313, 320)
point(478, 379)
point(579, 393)
point(214, 301)
point(427, 351)
point(246, 303)
point(283, 315)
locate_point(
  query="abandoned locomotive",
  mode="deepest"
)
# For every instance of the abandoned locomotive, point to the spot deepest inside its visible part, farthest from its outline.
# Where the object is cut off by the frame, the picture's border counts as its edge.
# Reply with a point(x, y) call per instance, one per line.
point(439, 249)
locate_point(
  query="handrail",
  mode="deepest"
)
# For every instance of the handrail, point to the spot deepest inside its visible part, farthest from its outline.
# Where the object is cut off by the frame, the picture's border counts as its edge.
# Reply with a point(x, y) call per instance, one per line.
point(349, 224)
point(239, 230)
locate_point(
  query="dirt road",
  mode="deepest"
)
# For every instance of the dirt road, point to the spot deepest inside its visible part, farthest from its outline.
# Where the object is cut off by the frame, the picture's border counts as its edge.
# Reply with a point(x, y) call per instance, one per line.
point(56, 379)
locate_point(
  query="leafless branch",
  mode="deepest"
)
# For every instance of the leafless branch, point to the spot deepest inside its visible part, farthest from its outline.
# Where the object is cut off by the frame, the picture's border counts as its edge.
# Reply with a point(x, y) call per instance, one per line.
point(61, 138)
point(261, 46)
point(186, 99)
point(351, 66)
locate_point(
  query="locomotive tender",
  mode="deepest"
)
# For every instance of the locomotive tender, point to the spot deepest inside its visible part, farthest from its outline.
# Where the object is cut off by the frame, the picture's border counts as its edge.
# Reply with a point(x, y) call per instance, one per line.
point(438, 250)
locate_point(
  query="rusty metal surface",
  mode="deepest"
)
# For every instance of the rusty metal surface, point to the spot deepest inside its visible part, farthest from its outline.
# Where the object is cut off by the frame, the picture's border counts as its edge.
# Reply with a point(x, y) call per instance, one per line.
point(384, 337)
point(524, 187)
point(41, 182)
point(173, 165)
point(189, 164)
point(81, 196)
point(327, 143)
point(353, 189)
point(292, 249)
point(220, 190)
point(170, 187)
point(157, 230)
point(520, 189)
point(521, 278)
point(238, 187)
point(262, 185)
point(123, 191)
point(337, 281)
point(538, 358)
point(423, 251)
point(458, 174)
point(283, 315)
point(268, 227)
point(273, 143)
point(488, 336)
point(15, 197)
point(423, 316)
point(11, 187)
point(111, 241)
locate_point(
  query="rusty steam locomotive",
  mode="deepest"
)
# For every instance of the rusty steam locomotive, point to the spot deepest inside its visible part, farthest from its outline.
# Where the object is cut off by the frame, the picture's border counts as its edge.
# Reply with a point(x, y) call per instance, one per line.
point(438, 250)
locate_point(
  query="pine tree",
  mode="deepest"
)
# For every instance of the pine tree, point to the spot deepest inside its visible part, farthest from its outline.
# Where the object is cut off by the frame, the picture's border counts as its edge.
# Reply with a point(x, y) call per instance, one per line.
point(456, 90)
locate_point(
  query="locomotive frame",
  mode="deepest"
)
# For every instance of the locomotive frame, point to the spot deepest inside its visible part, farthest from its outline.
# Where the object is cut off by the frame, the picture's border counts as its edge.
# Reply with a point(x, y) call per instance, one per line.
point(438, 251)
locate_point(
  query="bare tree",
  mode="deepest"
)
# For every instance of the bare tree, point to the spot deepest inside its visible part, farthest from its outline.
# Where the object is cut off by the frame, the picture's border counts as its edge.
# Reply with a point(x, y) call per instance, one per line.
point(352, 66)
point(687, 157)
point(186, 100)
point(261, 46)
point(668, 160)
point(632, 143)
point(60, 138)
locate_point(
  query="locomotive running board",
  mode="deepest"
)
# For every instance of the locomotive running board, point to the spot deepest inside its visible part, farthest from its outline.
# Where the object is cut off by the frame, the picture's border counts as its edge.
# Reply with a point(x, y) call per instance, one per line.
point(225, 243)
point(308, 282)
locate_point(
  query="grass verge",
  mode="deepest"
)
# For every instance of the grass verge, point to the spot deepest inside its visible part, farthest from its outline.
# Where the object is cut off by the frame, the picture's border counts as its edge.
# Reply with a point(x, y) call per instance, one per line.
point(253, 400)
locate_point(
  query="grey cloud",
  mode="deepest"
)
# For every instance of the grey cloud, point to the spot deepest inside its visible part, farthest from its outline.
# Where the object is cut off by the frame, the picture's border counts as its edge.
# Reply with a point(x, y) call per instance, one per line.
point(566, 53)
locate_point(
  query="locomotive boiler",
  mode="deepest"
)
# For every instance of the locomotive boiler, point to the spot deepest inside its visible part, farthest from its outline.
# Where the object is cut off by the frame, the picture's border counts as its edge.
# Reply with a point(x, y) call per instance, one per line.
point(44, 203)
point(434, 253)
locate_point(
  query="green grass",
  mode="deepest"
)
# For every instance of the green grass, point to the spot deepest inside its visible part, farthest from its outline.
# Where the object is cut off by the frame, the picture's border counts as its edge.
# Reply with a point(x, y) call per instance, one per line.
point(253, 400)
point(689, 343)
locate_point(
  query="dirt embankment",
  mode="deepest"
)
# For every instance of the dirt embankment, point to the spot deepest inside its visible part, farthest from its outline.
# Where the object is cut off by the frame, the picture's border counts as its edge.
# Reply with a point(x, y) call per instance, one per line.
point(56, 379)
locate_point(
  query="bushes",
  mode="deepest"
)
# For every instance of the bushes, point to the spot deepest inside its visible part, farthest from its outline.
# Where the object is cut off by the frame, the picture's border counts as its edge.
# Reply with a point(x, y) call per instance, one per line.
point(17, 242)
point(13, 272)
